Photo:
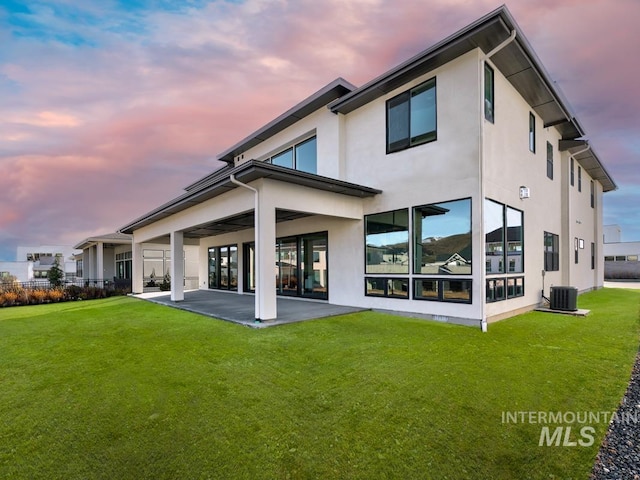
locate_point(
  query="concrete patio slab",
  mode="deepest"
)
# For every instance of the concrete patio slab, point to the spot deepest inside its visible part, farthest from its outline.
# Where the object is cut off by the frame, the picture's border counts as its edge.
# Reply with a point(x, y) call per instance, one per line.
point(240, 308)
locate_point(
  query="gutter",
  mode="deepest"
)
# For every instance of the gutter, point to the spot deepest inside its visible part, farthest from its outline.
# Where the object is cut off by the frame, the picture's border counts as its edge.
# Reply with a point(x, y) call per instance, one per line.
point(232, 178)
point(483, 242)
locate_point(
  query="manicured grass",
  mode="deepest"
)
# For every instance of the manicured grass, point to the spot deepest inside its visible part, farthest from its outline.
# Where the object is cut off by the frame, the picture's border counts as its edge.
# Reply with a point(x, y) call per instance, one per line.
point(121, 388)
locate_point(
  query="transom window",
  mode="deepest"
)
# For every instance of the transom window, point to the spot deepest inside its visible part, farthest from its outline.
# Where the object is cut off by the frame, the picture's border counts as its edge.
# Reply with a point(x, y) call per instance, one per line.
point(302, 156)
point(411, 117)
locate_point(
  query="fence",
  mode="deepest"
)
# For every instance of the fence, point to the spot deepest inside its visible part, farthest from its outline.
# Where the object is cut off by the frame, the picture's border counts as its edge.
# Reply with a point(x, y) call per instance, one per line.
point(110, 285)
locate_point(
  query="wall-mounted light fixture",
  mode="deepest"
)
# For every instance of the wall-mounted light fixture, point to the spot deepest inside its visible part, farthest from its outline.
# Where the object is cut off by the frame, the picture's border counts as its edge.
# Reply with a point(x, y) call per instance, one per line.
point(524, 193)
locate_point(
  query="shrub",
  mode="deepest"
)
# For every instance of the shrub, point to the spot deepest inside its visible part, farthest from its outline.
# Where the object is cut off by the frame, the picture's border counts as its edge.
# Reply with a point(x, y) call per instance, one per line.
point(72, 292)
point(55, 295)
point(38, 296)
point(9, 298)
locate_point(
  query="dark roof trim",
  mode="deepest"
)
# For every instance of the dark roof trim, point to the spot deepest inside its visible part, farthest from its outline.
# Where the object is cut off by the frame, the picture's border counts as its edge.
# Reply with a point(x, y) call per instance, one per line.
point(588, 159)
point(321, 98)
point(220, 183)
point(517, 61)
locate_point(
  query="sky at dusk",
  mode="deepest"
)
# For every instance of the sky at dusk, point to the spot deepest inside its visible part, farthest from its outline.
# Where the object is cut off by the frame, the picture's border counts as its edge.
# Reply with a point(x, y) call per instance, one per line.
point(110, 108)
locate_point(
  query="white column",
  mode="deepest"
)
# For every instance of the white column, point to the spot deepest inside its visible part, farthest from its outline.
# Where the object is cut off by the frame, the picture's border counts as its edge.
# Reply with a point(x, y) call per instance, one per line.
point(91, 267)
point(137, 271)
point(177, 266)
point(99, 261)
point(266, 258)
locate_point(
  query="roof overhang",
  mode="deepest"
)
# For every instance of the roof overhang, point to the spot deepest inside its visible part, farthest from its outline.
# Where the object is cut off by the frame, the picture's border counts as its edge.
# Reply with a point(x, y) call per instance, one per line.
point(109, 239)
point(321, 98)
point(517, 61)
point(588, 159)
point(220, 183)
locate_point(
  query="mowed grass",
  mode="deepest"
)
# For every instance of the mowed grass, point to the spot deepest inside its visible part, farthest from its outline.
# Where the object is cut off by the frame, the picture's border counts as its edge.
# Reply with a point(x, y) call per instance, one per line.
point(124, 389)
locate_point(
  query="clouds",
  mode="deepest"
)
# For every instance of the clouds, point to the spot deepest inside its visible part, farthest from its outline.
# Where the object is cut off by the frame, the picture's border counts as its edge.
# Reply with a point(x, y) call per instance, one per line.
point(111, 107)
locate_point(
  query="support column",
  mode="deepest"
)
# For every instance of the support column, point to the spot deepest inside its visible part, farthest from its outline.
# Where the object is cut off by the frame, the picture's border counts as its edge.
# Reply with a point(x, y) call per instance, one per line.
point(100, 261)
point(91, 264)
point(266, 258)
point(137, 270)
point(177, 266)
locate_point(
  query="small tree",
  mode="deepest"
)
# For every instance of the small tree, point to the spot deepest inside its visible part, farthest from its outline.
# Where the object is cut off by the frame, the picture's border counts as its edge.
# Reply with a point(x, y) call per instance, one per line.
point(55, 275)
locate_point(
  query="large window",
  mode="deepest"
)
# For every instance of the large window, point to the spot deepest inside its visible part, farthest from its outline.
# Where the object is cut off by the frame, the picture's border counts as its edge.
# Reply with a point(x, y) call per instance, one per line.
point(489, 101)
point(411, 117)
point(442, 238)
point(302, 156)
point(532, 132)
point(503, 238)
point(550, 160)
point(223, 267)
point(302, 266)
point(123, 265)
point(156, 264)
point(387, 242)
point(551, 252)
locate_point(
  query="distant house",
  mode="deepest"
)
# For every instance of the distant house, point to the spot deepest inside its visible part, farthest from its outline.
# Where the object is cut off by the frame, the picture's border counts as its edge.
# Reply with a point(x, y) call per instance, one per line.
point(351, 192)
point(34, 262)
point(108, 257)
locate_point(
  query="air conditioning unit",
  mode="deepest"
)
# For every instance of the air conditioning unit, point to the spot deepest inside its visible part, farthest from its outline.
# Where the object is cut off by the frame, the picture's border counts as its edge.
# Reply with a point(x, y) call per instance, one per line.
point(564, 298)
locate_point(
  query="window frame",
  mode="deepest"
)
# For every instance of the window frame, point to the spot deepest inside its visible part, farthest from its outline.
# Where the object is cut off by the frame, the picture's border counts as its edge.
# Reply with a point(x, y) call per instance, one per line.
point(294, 154)
point(387, 291)
point(441, 293)
point(573, 173)
point(407, 211)
point(549, 161)
point(532, 132)
point(579, 178)
point(593, 194)
point(406, 97)
point(552, 256)
point(489, 103)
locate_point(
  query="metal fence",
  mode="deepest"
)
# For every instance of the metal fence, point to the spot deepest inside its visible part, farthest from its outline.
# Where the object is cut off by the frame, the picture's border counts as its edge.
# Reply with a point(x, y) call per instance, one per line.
point(115, 284)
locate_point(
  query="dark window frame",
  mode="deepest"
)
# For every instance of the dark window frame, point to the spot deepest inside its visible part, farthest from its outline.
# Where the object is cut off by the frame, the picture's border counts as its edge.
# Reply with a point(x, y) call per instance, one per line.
point(489, 93)
point(441, 292)
point(549, 161)
point(366, 253)
point(532, 132)
point(579, 178)
point(413, 241)
point(294, 149)
point(593, 194)
point(573, 173)
point(551, 257)
point(593, 256)
point(386, 291)
point(405, 97)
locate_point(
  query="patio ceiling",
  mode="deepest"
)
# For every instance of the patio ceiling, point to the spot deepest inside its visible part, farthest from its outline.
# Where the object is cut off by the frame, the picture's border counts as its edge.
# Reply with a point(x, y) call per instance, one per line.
point(236, 223)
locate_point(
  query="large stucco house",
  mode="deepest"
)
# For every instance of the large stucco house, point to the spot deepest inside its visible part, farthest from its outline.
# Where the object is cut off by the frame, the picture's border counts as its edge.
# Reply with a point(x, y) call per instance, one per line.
point(447, 187)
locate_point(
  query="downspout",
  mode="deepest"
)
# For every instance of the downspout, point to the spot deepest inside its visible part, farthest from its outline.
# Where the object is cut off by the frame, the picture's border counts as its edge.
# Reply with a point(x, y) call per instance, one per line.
point(232, 177)
point(483, 246)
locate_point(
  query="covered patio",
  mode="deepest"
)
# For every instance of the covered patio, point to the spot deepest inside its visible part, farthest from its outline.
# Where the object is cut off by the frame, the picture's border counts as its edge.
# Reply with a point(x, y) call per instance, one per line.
point(240, 308)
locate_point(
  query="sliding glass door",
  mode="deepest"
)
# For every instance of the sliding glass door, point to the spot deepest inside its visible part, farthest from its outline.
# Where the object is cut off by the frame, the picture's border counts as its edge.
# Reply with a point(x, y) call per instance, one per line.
point(223, 267)
point(301, 266)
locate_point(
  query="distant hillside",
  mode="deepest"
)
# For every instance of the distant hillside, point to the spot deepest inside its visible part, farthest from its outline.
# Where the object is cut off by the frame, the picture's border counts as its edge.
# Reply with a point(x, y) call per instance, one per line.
point(441, 249)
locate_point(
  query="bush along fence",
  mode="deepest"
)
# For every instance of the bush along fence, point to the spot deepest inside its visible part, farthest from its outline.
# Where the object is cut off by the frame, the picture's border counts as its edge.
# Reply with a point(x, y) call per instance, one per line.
point(38, 292)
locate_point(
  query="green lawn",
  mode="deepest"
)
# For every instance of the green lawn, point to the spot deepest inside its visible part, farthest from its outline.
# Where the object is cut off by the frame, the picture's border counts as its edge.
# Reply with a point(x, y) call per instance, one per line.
point(124, 389)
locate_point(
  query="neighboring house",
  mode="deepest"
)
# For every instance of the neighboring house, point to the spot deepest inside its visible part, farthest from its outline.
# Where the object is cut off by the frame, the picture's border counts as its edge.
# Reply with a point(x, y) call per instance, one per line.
point(34, 262)
point(108, 257)
point(348, 197)
point(621, 259)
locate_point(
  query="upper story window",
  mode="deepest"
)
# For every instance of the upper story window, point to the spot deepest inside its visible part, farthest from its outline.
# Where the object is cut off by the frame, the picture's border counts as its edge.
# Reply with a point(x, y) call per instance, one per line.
point(572, 172)
point(532, 132)
point(302, 156)
point(593, 194)
point(489, 104)
point(579, 179)
point(550, 160)
point(411, 117)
